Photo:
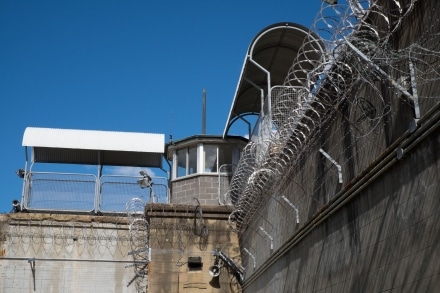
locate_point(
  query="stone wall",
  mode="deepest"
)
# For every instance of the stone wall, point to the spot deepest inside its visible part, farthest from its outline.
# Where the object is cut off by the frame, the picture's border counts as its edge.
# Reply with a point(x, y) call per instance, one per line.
point(203, 187)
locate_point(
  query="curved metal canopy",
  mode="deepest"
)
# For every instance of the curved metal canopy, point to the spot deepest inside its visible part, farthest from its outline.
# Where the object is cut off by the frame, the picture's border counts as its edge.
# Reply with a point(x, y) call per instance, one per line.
point(267, 62)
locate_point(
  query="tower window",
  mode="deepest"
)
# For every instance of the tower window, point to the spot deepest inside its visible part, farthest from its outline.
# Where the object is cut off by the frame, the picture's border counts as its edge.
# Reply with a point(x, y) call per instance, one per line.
point(204, 158)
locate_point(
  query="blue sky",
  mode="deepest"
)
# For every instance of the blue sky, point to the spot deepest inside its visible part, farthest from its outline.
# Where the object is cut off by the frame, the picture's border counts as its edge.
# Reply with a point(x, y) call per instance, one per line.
point(135, 66)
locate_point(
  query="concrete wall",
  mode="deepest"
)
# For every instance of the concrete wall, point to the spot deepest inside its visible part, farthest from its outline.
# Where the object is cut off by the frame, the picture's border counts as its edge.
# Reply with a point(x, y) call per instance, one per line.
point(72, 253)
point(377, 231)
point(81, 253)
point(384, 239)
point(178, 232)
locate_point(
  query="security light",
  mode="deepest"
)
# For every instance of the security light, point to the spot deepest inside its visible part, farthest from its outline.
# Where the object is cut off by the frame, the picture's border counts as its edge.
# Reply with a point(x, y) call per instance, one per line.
point(20, 173)
point(146, 181)
point(331, 2)
point(214, 270)
point(16, 207)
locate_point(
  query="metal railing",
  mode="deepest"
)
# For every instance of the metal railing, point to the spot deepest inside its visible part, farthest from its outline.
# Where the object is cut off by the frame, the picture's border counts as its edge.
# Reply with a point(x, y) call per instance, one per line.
point(72, 192)
point(225, 172)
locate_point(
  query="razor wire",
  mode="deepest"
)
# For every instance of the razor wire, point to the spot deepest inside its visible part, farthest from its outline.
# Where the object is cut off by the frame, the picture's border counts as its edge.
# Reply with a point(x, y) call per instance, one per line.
point(360, 55)
point(175, 228)
point(54, 238)
point(139, 242)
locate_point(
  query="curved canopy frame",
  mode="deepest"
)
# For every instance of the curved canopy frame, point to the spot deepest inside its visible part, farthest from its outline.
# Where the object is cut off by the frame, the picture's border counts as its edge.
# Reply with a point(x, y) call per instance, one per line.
point(267, 62)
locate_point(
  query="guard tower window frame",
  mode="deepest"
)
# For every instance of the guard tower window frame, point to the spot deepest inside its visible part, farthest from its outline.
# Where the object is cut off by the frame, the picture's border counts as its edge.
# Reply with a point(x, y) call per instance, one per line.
point(216, 155)
point(203, 158)
point(186, 161)
point(210, 158)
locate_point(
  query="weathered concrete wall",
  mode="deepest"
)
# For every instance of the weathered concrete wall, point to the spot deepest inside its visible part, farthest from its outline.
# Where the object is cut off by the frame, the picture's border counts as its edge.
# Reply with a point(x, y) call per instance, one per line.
point(80, 253)
point(178, 232)
point(377, 230)
point(72, 253)
point(385, 239)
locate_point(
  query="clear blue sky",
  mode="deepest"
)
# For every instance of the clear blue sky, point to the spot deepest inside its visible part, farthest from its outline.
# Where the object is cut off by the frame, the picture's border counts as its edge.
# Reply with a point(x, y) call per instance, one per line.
point(134, 65)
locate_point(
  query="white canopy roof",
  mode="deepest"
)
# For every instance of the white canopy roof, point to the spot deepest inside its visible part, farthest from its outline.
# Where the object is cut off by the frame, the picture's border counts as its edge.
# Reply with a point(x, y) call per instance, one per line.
point(94, 147)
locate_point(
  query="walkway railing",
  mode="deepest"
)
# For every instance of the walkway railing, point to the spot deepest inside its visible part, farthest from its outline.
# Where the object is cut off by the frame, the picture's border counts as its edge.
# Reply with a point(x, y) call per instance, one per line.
point(72, 192)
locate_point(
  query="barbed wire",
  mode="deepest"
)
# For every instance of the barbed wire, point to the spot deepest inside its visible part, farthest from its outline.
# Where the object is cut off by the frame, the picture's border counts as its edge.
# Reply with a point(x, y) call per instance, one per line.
point(352, 70)
point(139, 231)
point(55, 238)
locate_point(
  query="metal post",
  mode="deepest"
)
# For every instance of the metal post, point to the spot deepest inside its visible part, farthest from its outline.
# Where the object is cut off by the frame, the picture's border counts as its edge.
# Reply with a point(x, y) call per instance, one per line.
point(379, 70)
point(204, 112)
point(268, 80)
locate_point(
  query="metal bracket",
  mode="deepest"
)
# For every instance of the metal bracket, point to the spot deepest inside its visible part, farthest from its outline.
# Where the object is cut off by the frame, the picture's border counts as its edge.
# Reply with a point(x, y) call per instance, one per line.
point(334, 163)
point(414, 90)
point(268, 236)
point(31, 262)
point(379, 70)
point(292, 206)
point(251, 255)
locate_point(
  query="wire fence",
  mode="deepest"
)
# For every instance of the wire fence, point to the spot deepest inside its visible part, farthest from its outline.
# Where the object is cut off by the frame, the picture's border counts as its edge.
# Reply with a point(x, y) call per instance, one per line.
point(339, 110)
point(70, 192)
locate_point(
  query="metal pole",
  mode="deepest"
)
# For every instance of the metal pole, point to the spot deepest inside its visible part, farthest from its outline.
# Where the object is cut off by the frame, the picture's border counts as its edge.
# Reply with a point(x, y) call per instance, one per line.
point(204, 112)
point(379, 70)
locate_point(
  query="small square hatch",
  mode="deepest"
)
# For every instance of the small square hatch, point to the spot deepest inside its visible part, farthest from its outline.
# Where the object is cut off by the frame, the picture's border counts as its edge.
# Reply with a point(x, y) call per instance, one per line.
point(195, 263)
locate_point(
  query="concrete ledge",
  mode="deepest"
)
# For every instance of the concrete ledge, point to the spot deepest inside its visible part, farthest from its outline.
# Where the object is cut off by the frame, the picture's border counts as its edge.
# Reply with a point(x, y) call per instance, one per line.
point(186, 211)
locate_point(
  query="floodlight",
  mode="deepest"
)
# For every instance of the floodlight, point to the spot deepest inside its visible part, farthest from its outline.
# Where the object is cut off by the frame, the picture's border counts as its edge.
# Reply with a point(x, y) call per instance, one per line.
point(20, 173)
point(146, 181)
point(331, 2)
point(16, 207)
point(214, 270)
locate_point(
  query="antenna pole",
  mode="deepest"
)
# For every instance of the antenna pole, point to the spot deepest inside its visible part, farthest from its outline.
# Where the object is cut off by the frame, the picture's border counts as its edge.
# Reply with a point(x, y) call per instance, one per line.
point(171, 126)
point(204, 112)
